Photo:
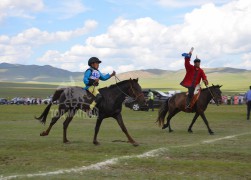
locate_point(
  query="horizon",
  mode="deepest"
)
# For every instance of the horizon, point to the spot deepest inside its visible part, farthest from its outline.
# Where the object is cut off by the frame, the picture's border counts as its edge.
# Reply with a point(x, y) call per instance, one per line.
point(121, 72)
point(126, 35)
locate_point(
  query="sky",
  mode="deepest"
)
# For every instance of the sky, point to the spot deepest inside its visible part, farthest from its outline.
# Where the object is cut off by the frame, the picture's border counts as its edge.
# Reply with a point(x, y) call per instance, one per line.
point(125, 35)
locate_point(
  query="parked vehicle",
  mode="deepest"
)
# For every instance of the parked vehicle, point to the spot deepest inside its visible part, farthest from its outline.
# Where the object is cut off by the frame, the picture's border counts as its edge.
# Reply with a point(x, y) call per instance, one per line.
point(3, 101)
point(159, 98)
point(29, 101)
point(17, 101)
point(46, 101)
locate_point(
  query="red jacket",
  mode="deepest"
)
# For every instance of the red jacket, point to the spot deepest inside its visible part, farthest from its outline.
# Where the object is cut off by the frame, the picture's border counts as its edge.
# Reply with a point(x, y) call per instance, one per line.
point(193, 75)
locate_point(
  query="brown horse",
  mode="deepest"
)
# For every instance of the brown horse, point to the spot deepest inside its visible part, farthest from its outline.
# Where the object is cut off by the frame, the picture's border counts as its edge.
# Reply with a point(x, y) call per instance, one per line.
point(177, 103)
point(72, 99)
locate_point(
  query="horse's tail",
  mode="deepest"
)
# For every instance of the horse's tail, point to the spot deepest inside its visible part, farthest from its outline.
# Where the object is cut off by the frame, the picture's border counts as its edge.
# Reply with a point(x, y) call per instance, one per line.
point(56, 95)
point(162, 113)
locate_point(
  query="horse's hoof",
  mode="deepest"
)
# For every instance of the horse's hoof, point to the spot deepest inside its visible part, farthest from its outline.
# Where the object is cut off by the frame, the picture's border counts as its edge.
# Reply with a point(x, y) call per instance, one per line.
point(190, 131)
point(135, 144)
point(96, 143)
point(66, 142)
point(164, 126)
point(211, 133)
point(43, 133)
point(170, 131)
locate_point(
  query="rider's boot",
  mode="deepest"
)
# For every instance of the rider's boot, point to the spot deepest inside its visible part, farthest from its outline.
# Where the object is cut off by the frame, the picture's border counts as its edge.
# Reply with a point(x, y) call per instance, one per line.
point(188, 100)
point(97, 100)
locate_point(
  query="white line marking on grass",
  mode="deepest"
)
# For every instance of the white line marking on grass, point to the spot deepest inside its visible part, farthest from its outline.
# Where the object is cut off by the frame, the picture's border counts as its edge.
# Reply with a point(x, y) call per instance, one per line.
point(103, 164)
point(152, 153)
point(226, 137)
point(97, 166)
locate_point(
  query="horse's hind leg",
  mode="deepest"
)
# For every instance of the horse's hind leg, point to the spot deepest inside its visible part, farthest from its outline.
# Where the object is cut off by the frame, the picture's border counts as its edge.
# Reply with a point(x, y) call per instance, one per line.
point(169, 117)
point(192, 123)
point(66, 123)
point(206, 122)
point(53, 121)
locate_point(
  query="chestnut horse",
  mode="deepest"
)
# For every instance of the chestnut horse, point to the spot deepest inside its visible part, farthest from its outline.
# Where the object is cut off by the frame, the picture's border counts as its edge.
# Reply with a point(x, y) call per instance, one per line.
point(177, 103)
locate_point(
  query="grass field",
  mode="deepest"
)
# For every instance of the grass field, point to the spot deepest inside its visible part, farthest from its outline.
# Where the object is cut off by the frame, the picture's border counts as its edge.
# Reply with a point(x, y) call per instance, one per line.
point(178, 155)
point(10, 90)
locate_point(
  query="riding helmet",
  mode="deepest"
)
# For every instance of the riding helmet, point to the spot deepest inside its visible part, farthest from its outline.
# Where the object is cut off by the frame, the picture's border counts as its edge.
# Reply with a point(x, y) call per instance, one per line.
point(93, 60)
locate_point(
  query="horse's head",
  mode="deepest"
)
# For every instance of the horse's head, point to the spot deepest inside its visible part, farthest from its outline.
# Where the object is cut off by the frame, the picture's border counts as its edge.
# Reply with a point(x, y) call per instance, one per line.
point(135, 91)
point(216, 94)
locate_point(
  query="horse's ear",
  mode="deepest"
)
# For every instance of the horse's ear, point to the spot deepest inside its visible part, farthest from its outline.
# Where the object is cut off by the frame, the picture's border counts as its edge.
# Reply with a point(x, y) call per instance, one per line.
point(130, 79)
point(213, 84)
point(137, 79)
point(221, 86)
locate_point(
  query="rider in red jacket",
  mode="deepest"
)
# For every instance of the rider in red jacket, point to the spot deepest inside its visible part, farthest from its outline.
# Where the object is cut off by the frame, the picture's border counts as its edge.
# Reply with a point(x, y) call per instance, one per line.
point(194, 74)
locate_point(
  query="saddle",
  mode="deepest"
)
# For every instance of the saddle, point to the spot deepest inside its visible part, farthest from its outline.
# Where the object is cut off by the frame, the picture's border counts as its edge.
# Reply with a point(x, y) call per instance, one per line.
point(196, 96)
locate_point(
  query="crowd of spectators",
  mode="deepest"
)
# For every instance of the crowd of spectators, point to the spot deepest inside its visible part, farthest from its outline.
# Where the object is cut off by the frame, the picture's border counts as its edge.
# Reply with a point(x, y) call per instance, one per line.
point(234, 99)
point(226, 99)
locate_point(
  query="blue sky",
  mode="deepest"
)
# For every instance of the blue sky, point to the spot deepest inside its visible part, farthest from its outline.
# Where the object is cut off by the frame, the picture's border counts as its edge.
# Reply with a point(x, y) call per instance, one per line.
point(125, 35)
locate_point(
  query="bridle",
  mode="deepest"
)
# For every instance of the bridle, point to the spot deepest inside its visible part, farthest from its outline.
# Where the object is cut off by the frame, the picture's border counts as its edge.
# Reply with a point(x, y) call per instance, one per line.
point(131, 88)
point(216, 101)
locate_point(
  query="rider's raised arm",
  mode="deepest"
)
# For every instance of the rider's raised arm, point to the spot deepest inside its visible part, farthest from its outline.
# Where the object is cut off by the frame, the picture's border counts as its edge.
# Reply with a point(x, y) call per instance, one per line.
point(187, 57)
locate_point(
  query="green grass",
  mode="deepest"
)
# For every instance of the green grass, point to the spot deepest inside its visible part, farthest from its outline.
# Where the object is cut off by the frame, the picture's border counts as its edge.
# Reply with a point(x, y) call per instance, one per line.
point(10, 90)
point(23, 151)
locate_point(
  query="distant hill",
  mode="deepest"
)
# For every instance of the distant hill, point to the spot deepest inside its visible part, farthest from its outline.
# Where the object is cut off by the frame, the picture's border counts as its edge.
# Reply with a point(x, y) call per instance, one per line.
point(231, 78)
point(25, 73)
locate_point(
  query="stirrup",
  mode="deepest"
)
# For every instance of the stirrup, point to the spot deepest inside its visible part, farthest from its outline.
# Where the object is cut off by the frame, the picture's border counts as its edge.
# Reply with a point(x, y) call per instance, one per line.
point(89, 113)
point(188, 106)
point(92, 112)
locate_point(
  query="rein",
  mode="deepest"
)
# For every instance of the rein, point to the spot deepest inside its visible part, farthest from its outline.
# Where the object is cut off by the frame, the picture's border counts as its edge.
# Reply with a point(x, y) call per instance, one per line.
point(137, 96)
point(212, 95)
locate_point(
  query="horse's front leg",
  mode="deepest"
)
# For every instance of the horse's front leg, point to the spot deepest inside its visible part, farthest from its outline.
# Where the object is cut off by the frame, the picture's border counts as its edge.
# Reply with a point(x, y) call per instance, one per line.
point(98, 123)
point(122, 126)
point(192, 123)
point(206, 122)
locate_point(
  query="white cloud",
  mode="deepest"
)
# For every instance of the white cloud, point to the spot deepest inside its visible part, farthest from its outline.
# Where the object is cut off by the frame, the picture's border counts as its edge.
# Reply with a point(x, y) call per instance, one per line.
point(246, 61)
point(107, 69)
point(35, 36)
point(67, 9)
point(17, 8)
point(144, 43)
point(214, 31)
point(125, 68)
point(20, 47)
point(182, 3)
point(27, 8)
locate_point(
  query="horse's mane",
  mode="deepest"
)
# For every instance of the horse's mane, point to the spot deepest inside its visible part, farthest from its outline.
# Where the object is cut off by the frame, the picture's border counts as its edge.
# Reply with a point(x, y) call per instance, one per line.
point(217, 86)
point(113, 86)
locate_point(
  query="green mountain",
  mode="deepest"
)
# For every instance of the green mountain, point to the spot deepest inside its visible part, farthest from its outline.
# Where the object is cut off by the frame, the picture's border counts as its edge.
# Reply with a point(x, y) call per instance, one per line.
point(232, 79)
point(27, 73)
